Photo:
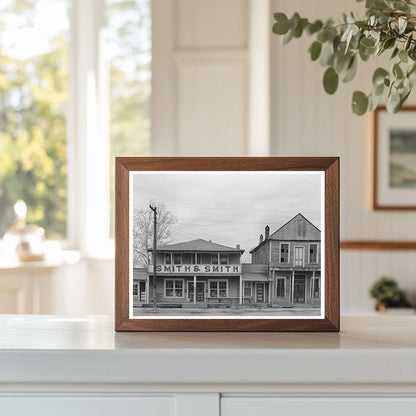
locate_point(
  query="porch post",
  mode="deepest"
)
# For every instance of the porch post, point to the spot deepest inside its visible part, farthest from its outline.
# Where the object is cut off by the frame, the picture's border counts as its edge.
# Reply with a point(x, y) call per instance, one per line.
point(293, 286)
point(194, 290)
point(241, 289)
point(313, 284)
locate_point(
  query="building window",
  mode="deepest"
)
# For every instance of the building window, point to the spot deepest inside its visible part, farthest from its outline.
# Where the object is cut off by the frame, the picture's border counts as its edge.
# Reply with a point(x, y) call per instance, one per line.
point(316, 288)
point(223, 258)
point(173, 288)
point(214, 259)
point(280, 287)
point(247, 289)
point(284, 253)
point(135, 289)
point(313, 253)
point(218, 288)
point(176, 258)
point(168, 258)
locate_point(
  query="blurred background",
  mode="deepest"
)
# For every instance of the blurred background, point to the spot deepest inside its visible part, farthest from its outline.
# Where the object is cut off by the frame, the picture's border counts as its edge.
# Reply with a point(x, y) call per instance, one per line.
point(83, 81)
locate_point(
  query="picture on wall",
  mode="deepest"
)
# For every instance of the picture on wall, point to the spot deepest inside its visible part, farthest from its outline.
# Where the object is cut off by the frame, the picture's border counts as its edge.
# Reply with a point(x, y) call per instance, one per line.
point(394, 183)
point(224, 249)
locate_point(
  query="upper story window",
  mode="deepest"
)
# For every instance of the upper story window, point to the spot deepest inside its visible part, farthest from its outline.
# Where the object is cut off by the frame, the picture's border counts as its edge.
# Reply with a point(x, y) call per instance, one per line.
point(214, 259)
point(284, 253)
point(168, 258)
point(177, 258)
point(223, 258)
point(313, 253)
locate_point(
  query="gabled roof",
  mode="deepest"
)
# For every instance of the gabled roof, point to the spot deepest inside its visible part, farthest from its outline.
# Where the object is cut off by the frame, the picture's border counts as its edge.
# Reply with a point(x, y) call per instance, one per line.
point(284, 232)
point(198, 245)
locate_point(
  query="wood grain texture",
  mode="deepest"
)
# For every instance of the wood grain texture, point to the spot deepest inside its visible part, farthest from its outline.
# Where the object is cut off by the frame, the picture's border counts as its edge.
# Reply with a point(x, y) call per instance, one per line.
point(330, 165)
point(376, 204)
point(378, 245)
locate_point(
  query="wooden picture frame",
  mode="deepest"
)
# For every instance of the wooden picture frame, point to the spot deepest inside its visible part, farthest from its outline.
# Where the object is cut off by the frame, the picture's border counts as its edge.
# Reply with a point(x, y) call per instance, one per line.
point(133, 176)
point(394, 146)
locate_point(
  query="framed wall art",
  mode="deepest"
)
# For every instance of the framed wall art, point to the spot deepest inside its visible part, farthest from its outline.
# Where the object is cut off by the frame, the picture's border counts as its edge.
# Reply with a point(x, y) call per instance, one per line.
point(227, 244)
point(394, 178)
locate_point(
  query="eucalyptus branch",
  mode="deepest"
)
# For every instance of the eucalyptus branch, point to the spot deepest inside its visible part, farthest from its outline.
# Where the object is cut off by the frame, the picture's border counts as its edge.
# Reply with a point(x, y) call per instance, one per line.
point(388, 25)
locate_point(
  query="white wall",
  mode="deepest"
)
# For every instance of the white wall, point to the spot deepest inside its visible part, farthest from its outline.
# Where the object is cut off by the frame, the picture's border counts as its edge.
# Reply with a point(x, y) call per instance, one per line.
point(213, 79)
point(308, 122)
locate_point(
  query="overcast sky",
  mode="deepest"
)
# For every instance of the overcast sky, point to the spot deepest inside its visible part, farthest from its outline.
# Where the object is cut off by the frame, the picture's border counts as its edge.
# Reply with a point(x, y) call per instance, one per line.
point(230, 208)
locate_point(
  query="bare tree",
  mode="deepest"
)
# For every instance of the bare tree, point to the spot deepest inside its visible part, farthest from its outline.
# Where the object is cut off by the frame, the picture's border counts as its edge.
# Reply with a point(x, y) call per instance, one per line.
point(143, 231)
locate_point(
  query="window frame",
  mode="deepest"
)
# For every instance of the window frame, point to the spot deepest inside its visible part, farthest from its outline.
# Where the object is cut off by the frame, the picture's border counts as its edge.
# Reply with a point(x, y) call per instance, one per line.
point(173, 258)
point(248, 285)
point(135, 289)
point(227, 259)
point(316, 280)
point(288, 253)
point(309, 253)
point(174, 288)
point(217, 281)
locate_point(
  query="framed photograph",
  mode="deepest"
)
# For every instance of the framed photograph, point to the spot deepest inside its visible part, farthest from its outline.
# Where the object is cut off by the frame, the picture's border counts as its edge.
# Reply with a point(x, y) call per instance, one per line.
point(394, 179)
point(227, 244)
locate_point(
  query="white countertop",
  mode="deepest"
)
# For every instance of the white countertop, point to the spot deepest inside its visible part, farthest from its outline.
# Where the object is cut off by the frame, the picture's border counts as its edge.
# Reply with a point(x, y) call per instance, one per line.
point(53, 349)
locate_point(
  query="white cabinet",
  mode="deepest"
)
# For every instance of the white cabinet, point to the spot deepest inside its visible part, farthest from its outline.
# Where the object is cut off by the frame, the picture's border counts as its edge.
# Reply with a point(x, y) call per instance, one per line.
point(53, 365)
point(271, 406)
point(88, 406)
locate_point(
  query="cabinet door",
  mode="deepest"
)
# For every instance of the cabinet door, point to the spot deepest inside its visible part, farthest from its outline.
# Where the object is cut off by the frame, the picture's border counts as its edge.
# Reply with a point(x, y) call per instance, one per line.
point(88, 406)
point(273, 406)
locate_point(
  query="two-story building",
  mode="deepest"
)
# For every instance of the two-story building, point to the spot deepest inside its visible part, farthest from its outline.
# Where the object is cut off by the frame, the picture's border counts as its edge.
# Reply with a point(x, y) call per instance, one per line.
point(292, 256)
point(196, 272)
point(285, 271)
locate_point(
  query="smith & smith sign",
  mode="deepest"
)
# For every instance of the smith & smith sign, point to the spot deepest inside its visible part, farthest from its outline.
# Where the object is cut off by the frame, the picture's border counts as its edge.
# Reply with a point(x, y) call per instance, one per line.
point(196, 268)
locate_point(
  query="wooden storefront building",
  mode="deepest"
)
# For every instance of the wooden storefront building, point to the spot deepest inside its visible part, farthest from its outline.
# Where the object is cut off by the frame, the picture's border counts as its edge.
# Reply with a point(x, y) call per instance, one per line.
point(292, 255)
point(285, 271)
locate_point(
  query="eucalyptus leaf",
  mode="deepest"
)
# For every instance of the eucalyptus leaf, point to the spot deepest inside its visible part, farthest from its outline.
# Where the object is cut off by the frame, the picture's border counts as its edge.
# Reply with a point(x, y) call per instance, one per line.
point(379, 75)
point(395, 52)
point(330, 80)
point(393, 101)
point(350, 73)
point(281, 26)
point(374, 102)
point(288, 37)
point(397, 71)
point(314, 27)
point(315, 50)
point(359, 103)
point(403, 56)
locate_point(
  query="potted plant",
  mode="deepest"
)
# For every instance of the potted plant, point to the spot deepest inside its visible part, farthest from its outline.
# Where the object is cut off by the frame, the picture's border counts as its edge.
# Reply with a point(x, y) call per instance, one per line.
point(387, 294)
point(389, 27)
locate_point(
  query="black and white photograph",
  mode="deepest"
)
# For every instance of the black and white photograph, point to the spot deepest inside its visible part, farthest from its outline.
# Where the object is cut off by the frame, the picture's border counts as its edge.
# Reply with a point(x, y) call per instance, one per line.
point(228, 244)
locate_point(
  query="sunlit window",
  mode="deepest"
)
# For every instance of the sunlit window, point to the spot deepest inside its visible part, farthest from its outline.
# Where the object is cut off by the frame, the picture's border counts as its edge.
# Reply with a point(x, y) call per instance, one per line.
point(129, 43)
point(40, 75)
point(33, 102)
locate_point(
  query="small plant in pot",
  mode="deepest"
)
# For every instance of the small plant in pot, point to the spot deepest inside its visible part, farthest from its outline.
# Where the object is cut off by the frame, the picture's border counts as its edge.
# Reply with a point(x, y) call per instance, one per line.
point(387, 294)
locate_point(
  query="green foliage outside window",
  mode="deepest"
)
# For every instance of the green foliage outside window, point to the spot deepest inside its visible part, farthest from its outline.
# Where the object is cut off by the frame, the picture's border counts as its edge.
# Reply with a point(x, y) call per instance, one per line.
point(33, 99)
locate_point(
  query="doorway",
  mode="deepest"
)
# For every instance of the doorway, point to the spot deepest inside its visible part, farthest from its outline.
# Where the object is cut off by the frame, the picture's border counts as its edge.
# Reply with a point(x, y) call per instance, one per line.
point(260, 292)
point(299, 289)
point(200, 291)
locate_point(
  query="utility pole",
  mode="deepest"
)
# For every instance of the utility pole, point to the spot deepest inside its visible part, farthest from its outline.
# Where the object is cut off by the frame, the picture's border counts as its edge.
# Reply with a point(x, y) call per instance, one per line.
point(154, 209)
